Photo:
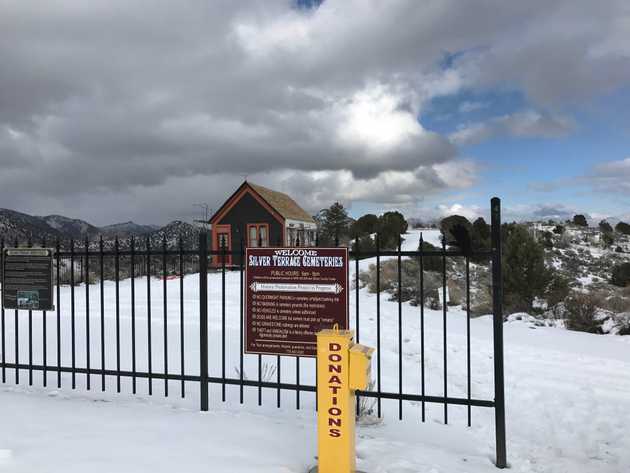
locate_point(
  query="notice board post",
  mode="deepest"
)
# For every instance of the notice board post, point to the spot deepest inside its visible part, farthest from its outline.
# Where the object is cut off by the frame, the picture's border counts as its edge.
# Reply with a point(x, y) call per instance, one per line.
point(290, 295)
point(27, 279)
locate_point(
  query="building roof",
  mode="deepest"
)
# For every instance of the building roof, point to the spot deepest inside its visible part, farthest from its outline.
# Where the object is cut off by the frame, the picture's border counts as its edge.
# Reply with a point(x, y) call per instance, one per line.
point(281, 205)
point(284, 205)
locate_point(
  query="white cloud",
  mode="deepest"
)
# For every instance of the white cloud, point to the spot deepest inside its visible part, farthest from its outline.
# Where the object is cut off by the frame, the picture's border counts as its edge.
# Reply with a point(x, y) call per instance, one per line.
point(472, 134)
point(510, 212)
point(374, 119)
point(124, 99)
point(611, 176)
point(526, 124)
point(470, 212)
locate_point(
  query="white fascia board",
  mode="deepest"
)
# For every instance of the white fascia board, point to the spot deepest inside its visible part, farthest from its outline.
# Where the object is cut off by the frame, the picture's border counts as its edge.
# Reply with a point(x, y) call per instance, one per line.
point(300, 224)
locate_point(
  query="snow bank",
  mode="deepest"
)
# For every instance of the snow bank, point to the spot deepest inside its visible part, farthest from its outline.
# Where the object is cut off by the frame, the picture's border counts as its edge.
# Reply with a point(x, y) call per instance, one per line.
point(568, 397)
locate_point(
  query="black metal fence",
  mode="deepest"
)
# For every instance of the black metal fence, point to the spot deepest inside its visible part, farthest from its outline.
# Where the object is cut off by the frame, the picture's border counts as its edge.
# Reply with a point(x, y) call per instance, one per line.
point(123, 345)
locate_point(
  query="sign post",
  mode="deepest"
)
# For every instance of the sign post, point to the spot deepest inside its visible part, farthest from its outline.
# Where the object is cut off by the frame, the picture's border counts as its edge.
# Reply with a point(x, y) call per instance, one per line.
point(291, 294)
point(27, 279)
point(296, 303)
point(343, 368)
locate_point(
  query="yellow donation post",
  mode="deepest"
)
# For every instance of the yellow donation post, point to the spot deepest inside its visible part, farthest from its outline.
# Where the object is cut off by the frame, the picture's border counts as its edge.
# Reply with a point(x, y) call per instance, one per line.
point(342, 368)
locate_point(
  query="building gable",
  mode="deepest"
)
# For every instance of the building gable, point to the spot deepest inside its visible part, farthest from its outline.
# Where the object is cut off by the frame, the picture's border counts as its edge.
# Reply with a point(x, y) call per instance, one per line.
point(245, 189)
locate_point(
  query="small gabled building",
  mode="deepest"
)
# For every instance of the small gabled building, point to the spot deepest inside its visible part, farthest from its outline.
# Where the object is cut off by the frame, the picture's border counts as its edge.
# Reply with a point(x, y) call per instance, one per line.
point(257, 216)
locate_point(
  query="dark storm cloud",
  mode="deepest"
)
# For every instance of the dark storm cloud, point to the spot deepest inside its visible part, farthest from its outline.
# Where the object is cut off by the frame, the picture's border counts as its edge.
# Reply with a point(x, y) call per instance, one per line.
point(107, 102)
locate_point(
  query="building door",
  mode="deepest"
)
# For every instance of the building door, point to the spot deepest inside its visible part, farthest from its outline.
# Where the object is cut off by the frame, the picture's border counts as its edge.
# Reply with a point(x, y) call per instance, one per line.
point(222, 241)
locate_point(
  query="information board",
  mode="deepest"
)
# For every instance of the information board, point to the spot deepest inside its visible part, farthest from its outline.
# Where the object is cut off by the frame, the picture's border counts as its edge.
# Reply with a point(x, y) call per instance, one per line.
point(290, 295)
point(27, 278)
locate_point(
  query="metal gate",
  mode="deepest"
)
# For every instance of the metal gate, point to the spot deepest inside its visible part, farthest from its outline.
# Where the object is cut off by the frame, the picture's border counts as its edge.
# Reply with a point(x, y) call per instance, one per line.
point(100, 336)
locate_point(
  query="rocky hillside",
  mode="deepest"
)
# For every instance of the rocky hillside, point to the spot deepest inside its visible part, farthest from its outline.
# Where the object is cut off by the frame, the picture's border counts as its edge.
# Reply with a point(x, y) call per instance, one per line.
point(126, 230)
point(26, 228)
point(170, 234)
point(71, 227)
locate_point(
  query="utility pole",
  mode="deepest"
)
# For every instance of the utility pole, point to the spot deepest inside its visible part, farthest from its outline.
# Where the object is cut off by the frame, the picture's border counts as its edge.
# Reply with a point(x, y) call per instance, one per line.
point(204, 206)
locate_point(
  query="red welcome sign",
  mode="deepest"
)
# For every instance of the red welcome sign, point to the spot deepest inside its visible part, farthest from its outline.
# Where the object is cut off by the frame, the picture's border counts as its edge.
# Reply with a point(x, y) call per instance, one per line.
point(290, 295)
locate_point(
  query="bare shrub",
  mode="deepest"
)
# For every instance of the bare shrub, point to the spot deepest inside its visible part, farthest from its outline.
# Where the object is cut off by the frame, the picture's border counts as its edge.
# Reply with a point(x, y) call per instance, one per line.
point(456, 292)
point(267, 372)
point(557, 290)
point(409, 287)
point(562, 243)
point(364, 279)
point(481, 303)
point(388, 272)
point(617, 304)
point(366, 406)
point(581, 311)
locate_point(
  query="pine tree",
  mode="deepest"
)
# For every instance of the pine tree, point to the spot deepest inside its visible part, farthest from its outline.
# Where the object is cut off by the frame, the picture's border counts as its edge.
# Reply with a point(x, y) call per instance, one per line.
point(333, 224)
point(621, 275)
point(457, 230)
point(525, 275)
point(391, 226)
point(605, 227)
point(365, 225)
point(580, 220)
point(623, 227)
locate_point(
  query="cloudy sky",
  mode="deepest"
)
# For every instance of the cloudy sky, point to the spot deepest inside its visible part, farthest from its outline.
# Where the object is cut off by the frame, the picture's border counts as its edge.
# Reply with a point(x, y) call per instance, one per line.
point(117, 110)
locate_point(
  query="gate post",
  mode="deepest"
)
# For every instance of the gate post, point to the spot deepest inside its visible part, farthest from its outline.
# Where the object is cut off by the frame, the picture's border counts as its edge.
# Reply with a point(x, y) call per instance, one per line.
point(203, 319)
point(497, 303)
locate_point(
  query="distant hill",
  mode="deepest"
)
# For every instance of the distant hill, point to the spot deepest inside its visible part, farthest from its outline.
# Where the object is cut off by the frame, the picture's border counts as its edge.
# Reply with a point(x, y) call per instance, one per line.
point(618, 218)
point(173, 231)
point(36, 229)
point(71, 227)
point(126, 229)
point(26, 228)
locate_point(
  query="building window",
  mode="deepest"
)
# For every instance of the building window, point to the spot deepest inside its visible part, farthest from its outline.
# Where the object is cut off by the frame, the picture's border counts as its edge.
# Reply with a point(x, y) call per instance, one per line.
point(257, 235)
point(223, 240)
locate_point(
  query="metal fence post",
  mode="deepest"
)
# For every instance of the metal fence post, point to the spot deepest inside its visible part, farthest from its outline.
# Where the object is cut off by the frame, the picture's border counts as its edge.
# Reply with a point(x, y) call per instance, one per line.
point(203, 318)
point(497, 296)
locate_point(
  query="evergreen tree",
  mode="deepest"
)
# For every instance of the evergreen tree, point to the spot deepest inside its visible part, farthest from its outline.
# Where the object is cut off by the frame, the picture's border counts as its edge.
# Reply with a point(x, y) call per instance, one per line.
point(605, 227)
point(623, 227)
point(580, 220)
point(525, 275)
point(429, 263)
point(333, 224)
point(457, 230)
point(557, 290)
point(621, 275)
point(366, 244)
point(547, 239)
point(481, 230)
point(395, 221)
point(391, 226)
point(608, 239)
point(480, 237)
point(365, 225)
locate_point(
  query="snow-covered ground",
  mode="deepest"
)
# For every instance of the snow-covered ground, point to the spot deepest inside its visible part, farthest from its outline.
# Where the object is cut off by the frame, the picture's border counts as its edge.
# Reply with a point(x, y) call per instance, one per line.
point(568, 396)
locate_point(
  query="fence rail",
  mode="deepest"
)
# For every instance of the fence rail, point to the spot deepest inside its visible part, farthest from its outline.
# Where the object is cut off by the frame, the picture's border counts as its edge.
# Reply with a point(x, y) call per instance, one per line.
point(94, 276)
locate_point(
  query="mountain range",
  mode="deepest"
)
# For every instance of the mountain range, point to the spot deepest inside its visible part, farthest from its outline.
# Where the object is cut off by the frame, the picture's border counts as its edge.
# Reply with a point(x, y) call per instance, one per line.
point(21, 227)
